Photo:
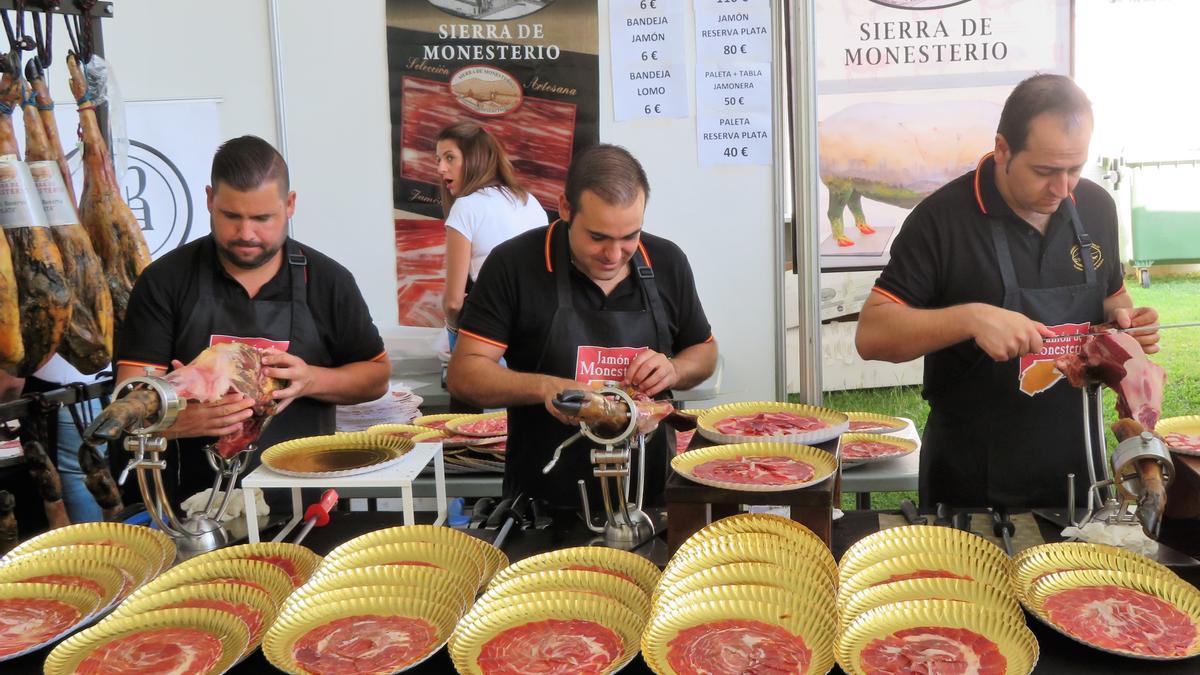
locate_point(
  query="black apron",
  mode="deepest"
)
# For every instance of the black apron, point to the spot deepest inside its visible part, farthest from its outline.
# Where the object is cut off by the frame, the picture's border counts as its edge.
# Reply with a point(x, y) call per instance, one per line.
point(987, 443)
point(275, 320)
point(533, 433)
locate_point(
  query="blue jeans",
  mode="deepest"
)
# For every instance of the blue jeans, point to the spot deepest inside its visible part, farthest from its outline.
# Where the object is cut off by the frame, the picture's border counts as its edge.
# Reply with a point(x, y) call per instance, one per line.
point(81, 506)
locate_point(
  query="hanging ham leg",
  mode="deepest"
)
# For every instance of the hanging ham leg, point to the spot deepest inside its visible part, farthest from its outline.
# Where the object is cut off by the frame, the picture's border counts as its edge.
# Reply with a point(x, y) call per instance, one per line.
point(221, 369)
point(8, 522)
point(87, 342)
point(45, 106)
point(42, 290)
point(114, 231)
point(12, 349)
point(45, 476)
point(99, 480)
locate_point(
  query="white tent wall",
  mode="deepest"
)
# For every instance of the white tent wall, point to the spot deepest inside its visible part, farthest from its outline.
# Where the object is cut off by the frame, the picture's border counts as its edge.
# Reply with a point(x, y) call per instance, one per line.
point(335, 96)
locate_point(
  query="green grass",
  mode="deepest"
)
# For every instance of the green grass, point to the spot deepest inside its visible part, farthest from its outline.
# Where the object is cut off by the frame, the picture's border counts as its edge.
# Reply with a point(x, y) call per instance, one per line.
point(1177, 299)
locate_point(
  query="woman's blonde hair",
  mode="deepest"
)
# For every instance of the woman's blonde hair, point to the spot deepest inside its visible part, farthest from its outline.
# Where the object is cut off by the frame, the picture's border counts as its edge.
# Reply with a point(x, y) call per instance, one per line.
point(485, 164)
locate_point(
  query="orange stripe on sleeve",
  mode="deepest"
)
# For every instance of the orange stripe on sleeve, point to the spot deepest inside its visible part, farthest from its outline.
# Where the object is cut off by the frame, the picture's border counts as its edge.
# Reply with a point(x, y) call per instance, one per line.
point(889, 296)
point(1118, 292)
point(141, 364)
point(477, 336)
point(382, 357)
point(711, 338)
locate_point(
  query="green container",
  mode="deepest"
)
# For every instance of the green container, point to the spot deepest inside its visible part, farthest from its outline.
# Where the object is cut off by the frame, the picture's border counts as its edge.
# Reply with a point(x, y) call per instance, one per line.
point(1165, 200)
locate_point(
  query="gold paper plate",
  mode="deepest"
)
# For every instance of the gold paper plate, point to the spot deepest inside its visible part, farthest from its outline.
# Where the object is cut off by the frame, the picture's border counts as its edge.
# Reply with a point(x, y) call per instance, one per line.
point(1181, 595)
point(409, 431)
point(428, 435)
point(455, 426)
point(792, 600)
point(735, 548)
point(836, 422)
point(755, 573)
point(941, 540)
point(104, 578)
point(1014, 641)
point(80, 602)
point(296, 561)
point(470, 638)
point(597, 558)
point(152, 545)
point(1039, 561)
point(135, 569)
point(263, 609)
point(254, 573)
point(815, 630)
point(822, 463)
point(767, 523)
point(884, 424)
point(399, 576)
point(961, 590)
point(920, 566)
point(905, 446)
point(622, 590)
point(1188, 425)
point(225, 627)
point(335, 455)
point(438, 534)
point(466, 563)
point(437, 422)
point(448, 597)
point(303, 618)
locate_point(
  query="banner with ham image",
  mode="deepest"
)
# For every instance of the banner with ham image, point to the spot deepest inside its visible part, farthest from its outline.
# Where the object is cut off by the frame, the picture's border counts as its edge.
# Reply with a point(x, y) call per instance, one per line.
point(1036, 372)
point(526, 70)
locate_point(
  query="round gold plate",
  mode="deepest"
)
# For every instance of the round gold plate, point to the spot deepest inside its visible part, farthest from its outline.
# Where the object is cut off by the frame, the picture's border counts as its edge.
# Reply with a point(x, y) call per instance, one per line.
point(428, 436)
point(622, 590)
point(465, 562)
point(883, 424)
point(924, 565)
point(907, 541)
point(263, 609)
point(494, 558)
point(961, 590)
point(1034, 563)
point(1012, 639)
point(436, 422)
point(822, 463)
point(754, 573)
point(1184, 597)
point(135, 569)
point(253, 573)
point(470, 638)
point(1188, 425)
point(765, 523)
point(397, 576)
point(302, 618)
point(736, 548)
point(81, 602)
point(296, 561)
point(409, 431)
point(905, 446)
point(815, 630)
point(836, 422)
point(106, 577)
point(597, 558)
point(455, 426)
point(153, 545)
point(448, 597)
point(792, 599)
point(225, 627)
point(335, 455)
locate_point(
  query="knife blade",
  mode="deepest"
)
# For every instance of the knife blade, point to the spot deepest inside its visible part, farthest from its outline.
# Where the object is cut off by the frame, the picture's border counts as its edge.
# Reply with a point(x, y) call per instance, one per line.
point(1135, 329)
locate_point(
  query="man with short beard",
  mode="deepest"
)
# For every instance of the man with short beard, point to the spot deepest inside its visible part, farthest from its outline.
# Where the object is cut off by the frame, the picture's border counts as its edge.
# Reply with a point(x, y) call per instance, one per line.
point(247, 281)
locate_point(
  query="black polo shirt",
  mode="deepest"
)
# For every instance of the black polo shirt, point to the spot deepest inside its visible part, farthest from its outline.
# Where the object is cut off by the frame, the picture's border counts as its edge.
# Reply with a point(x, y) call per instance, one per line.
point(513, 301)
point(167, 289)
point(944, 254)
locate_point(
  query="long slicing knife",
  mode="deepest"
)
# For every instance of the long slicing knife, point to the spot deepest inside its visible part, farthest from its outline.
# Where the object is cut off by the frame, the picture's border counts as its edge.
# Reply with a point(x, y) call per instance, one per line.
point(1137, 329)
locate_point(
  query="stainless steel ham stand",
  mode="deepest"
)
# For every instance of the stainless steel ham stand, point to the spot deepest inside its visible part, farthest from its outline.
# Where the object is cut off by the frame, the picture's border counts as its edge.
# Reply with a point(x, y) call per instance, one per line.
point(627, 525)
point(196, 534)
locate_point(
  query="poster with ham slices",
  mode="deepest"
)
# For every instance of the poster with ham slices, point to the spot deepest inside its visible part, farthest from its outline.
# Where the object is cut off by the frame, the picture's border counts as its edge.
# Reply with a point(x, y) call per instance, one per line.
point(527, 70)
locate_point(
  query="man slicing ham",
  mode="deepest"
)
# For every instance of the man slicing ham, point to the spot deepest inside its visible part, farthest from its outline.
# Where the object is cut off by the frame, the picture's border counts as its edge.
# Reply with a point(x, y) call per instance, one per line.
point(249, 282)
point(591, 294)
point(984, 271)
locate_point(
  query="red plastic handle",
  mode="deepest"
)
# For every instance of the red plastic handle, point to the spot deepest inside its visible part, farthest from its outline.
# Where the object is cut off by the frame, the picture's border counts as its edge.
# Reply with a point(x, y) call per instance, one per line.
point(319, 512)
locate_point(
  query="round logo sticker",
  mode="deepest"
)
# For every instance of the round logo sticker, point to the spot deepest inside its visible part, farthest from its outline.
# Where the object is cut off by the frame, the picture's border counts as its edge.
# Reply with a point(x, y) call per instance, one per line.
point(156, 192)
point(490, 10)
point(485, 90)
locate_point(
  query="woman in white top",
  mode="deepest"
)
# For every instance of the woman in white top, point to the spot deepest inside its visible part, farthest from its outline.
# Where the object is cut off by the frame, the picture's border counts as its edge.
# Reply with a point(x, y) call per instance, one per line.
point(484, 206)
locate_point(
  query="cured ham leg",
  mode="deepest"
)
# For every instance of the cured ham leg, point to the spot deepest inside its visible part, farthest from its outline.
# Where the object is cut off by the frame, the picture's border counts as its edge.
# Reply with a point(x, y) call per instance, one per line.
point(221, 369)
point(8, 522)
point(49, 483)
point(42, 291)
point(99, 480)
point(114, 231)
point(609, 415)
point(87, 342)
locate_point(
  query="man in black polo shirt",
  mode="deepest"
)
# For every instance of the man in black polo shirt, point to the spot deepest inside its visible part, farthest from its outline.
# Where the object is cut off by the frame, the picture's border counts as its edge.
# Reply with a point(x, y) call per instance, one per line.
point(590, 297)
point(982, 272)
point(248, 281)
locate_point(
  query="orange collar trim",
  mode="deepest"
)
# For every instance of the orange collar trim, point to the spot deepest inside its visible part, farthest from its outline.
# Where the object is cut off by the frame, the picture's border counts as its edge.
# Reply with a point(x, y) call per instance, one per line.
point(979, 192)
point(550, 237)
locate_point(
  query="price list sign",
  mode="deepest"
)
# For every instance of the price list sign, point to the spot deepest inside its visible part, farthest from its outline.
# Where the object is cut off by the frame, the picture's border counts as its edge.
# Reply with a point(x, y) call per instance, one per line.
point(733, 81)
point(648, 57)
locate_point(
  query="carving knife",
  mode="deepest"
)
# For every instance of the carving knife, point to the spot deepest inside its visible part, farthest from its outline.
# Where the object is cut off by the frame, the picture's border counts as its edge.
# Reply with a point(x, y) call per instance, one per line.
point(1136, 329)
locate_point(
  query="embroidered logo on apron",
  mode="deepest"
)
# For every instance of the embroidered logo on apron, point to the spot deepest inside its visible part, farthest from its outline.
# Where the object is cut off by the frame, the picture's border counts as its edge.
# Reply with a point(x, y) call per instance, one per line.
point(1036, 372)
point(598, 364)
point(1097, 256)
point(261, 343)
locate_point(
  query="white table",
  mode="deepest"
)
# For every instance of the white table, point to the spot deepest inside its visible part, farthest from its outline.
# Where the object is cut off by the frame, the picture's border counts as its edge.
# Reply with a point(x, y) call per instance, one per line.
point(892, 475)
point(401, 474)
